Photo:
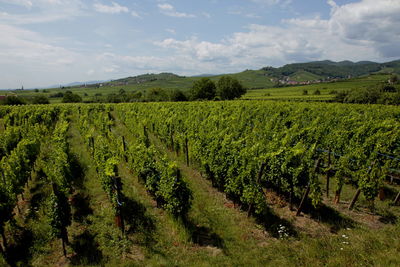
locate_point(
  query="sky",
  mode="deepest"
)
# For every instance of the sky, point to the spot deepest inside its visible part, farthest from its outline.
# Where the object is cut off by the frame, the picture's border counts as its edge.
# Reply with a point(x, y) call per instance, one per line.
point(50, 42)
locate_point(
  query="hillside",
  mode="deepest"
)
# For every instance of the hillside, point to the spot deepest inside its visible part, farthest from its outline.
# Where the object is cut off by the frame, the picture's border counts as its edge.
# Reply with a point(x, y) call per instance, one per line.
point(277, 81)
point(329, 69)
point(269, 76)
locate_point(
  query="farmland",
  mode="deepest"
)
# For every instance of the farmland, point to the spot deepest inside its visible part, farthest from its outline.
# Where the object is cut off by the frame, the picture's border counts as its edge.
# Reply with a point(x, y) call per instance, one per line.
point(200, 183)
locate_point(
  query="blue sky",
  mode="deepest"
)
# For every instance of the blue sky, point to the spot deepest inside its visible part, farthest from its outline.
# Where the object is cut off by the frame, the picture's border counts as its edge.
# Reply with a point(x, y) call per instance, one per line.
point(46, 42)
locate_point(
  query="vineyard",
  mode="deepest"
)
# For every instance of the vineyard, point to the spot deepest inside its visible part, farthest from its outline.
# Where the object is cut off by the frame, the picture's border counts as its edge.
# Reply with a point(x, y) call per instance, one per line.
point(200, 183)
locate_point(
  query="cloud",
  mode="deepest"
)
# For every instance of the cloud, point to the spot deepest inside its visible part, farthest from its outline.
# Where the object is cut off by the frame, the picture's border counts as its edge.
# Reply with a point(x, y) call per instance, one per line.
point(115, 8)
point(44, 11)
point(282, 3)
point(28, 56)
point(172, 31)
point(170, 11)
point(367, 22)
point(24, 3)
point(357, 31)
point(135, 14)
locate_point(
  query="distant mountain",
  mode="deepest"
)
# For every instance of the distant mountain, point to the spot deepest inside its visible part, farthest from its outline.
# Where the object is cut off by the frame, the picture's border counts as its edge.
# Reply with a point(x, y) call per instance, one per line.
point(74, 84)
point(83, 83)
point(165, 76)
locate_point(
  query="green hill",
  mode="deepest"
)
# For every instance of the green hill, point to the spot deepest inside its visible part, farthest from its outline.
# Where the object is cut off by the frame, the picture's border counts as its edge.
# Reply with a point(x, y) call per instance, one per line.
point(314, 74)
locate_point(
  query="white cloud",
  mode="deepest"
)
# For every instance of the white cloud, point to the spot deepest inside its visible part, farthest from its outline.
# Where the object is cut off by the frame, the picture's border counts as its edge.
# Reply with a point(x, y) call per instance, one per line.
point(115, 8)
point(282, 3)
point(171, 31)
point(28, 56)
point(24, 3)
point(45, 11)
point(368, 21)
point(357, 31)
point(169, 10)
point(135, 14)
point(90, 72)
point(206, 15)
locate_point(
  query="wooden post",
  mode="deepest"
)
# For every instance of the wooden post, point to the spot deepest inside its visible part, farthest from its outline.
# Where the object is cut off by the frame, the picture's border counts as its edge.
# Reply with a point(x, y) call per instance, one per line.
point(187, 151)
point(396, 200)
point(91, 145)
point(119, 219)
point(63, 247)
point(249, 210)
point(171, 136)
point(1, 250)
point(291, 196)
point(316, 166)
point(124, 148)
point(381, 194)
point(354, 200)
point(303, 200)
point(337, 195)
point(123, 143)
point(356, 195)
point(4, 239)
point(328, 174)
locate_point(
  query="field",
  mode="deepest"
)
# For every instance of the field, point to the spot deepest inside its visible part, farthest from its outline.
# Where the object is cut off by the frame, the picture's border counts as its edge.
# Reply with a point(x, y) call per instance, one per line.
point(243, 183)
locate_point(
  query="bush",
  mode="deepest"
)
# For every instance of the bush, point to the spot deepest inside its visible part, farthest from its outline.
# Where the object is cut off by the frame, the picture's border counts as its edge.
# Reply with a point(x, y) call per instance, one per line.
point(305, 92)
point(317, 92)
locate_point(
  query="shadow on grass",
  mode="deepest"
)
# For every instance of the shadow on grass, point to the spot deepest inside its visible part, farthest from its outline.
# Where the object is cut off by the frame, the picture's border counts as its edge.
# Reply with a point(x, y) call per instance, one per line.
point(388, 217)
point(18, 251)
point(136, 220)
point(330, 216)
point(81, 207)
point(77, 170)
point(86, 249)
point(203, 236)
point(272, 223)
point(36, 200)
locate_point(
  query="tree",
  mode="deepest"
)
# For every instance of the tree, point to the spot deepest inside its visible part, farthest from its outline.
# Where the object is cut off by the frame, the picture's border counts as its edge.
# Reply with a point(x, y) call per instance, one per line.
point(156, 94)
point(13, 100)
point(203, 89)
point(40, 99)
point(70, 97)
point(178, 95)
point(229, 88)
